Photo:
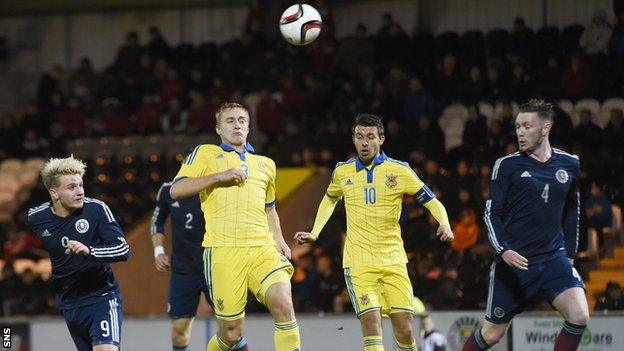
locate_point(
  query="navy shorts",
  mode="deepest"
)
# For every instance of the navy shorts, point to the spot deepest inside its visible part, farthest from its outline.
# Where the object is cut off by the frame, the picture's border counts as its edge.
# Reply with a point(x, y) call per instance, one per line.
point(512, 289)
point(184, 292)
point(96, 324)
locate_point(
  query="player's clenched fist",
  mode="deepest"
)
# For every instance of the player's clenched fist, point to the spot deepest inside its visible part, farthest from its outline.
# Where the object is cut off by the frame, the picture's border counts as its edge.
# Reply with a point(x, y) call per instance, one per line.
point(162, 263)
point(445, 233)
point(232, 175)
point(305, 238)
point(78, 248)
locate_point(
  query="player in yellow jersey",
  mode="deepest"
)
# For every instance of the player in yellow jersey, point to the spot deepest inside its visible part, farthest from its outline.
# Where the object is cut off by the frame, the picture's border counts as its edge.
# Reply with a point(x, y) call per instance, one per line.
point(374, 259)
point(244, 247)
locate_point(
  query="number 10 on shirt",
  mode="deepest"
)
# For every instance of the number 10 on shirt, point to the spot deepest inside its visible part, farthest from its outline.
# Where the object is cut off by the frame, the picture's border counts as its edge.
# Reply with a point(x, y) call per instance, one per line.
point(370, 196)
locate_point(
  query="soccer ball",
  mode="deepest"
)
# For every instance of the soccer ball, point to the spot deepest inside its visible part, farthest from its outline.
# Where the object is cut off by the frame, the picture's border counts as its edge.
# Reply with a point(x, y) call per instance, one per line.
point(300, 24)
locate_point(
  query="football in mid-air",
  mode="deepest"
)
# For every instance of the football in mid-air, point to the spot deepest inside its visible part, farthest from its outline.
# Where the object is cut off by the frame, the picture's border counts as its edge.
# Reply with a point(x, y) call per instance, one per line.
point(300, 24)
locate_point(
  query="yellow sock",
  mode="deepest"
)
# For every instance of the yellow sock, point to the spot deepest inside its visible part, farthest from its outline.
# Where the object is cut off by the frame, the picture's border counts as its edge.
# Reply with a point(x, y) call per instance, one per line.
point(407, 347)
point(373, 343)
point(287, 336)
point(215, 344)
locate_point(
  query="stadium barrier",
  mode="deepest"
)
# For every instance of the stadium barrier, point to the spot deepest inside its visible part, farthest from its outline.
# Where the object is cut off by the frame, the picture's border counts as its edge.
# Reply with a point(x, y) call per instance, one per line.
point(529, 332)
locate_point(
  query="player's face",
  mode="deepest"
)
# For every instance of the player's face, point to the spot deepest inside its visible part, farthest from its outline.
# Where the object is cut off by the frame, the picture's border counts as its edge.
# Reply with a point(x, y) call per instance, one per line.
point(531, 131)
point(367, 142)
point(233, 126)
point(69, 192)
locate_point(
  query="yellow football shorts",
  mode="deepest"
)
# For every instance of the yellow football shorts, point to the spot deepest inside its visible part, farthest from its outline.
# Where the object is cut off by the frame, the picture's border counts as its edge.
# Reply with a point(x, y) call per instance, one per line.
point(385, 288)
point(232, 271)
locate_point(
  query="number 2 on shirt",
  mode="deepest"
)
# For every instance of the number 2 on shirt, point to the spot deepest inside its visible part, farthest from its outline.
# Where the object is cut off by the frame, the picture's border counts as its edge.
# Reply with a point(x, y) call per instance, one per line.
point(370, 196)
point(545, 193)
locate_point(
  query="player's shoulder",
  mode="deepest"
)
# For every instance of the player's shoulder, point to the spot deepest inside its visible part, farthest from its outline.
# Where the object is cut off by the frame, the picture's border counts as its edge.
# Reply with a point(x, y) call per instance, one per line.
point(505, 163)
point(567, 157)
point(38, 212)
point(164, 189)
point(266, 160)
point(94, 207)
point(399, 165)
point(202, 150)
point(343, 166)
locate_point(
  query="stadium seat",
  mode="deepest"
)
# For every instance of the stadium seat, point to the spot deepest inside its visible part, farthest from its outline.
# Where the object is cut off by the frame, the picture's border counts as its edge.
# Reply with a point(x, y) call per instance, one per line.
point(44, 268)
point(11, 165)
point(487, 110)
point(585, 104)
point(34, 163)
point(567, 106)
point(605, 110)
point(499, 107)
point(10, 182)
point(452, 123)
point(8, 201)
point(22, 264)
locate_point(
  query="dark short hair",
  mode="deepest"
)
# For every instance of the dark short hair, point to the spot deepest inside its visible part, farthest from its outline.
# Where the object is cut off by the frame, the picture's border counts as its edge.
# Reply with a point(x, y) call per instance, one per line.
point(545, 110)
point(368, 120)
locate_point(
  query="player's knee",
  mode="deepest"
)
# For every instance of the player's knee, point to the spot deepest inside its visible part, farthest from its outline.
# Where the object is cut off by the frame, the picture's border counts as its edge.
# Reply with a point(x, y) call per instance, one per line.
point(493, 334)
point(180, 337)
point(231, 333)
point(580, 317)
point(404, 332)
point(281, 307)
point(370, 325)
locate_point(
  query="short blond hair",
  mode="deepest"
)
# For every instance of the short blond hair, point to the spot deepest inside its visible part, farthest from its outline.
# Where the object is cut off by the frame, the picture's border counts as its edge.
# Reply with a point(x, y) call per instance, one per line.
point(228, 106)
point(57, 167)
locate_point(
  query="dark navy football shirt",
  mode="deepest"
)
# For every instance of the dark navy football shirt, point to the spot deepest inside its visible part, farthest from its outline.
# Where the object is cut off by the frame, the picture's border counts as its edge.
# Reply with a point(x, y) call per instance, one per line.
point(187, 225)
point(533, 207)
point(81, 280)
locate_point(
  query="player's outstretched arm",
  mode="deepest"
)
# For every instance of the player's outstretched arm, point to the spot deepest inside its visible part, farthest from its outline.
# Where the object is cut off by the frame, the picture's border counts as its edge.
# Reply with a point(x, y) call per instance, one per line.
point(437, 210)
point(186, 187)
point(324, 212)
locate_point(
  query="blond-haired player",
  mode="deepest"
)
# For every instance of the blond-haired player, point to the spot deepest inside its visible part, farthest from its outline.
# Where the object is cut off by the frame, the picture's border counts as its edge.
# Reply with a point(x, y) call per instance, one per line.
point(244, 247)
point(82, 237)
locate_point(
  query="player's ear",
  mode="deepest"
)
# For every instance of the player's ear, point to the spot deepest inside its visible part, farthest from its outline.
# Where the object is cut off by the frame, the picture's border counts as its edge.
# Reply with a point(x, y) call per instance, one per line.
point(382, 138)
point(546, 128)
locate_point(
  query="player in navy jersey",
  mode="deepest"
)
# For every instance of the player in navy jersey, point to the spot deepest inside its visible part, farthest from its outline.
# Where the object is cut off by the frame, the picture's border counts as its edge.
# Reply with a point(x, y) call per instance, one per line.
point(82, 237)
point(187, 278)
point(532, 217)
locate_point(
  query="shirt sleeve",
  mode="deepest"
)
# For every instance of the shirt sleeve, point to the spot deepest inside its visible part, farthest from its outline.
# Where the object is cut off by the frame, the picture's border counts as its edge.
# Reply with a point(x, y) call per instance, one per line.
point(334, 190)
point(161, 211)
point(571, 214)
point(270, 193)
point(495, 205)
point(113, 246)
point(195, 165)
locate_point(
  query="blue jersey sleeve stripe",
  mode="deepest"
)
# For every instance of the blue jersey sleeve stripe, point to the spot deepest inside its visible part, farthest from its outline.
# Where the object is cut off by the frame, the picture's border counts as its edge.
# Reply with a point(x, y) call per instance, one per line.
point(270, 204)
point(490, 227)
point(424, 195)
point(178, 179)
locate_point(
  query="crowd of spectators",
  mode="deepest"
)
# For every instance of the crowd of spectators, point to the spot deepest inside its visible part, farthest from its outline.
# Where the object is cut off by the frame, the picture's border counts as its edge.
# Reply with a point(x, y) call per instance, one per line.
point(303, 101)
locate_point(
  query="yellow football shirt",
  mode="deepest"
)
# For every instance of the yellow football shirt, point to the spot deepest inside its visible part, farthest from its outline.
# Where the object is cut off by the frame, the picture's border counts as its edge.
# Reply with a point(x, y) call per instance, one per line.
point(235, 215)
point(373, 198)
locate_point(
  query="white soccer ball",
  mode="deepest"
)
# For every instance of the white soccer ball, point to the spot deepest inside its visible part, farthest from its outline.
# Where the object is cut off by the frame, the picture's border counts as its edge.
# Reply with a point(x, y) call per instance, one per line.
point(300, 24)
